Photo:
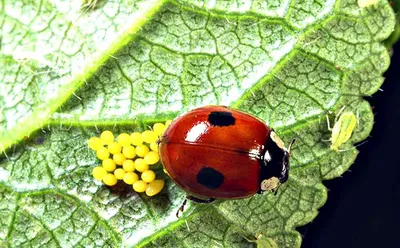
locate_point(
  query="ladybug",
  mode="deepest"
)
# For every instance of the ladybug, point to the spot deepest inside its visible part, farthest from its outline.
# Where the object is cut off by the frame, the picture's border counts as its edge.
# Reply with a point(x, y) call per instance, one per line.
point(215, 152)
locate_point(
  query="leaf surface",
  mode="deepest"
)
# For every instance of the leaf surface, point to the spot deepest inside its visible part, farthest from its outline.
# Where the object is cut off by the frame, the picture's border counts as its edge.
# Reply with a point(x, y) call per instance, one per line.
point(68, 73)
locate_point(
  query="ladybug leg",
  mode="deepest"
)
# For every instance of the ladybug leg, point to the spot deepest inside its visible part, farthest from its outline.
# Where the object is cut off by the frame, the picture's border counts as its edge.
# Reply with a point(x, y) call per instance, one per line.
point(192, 198)
point(180, 210)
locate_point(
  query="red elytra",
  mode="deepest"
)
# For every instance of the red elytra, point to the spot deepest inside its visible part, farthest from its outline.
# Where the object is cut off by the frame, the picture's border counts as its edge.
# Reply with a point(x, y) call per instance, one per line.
point(217, 152)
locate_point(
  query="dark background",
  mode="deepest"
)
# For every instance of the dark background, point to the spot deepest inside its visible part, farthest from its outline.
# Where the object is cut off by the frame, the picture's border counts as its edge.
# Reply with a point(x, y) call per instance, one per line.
point(363, 206)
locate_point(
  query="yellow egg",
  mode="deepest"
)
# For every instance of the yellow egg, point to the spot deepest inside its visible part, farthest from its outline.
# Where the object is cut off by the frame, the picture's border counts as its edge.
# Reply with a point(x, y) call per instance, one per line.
point(128, 165)
point(95, 143)
point(155, 187)
point(109, 164)
point(149, 136)
point(148, 176)
point(142, 150)
point(107, 137)
point(154, 146)
point(102, 153)
point(129, 151)
point(119, 158)
point(136, 139)
point(114, 148)
point(119, 173)
point(159, 128)
point(99, 172)
point(140, 165)
point(139, 186)
point(110, 179)
point(124, 139)
point(130, 178)
point(151, 157)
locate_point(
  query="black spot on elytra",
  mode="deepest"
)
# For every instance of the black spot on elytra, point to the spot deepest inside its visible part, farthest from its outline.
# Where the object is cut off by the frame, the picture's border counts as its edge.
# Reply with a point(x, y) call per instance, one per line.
point(221, 118)
point(210, 178)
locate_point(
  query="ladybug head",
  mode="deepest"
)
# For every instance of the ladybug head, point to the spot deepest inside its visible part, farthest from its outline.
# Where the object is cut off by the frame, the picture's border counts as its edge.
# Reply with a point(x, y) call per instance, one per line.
point(275, 168)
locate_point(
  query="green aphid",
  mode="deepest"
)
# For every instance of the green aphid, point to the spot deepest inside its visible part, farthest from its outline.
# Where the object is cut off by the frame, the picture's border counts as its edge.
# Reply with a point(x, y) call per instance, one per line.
point(343, 129)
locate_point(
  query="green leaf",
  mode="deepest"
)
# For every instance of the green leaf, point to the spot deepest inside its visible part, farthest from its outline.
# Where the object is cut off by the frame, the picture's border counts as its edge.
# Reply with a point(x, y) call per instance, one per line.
point(395, 36)
point(68, 73)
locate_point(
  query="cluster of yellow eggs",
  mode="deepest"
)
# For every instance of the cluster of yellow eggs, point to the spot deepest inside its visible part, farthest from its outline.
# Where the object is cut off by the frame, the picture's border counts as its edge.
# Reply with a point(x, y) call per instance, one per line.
point(129, 154)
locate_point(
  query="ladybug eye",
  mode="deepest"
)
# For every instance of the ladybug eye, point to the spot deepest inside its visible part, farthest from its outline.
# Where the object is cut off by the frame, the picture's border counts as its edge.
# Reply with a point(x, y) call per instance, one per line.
point(270, 184)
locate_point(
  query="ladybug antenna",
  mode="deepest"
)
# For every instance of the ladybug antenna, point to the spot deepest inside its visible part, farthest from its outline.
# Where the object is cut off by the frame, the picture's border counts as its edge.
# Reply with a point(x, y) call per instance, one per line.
point(291, 144)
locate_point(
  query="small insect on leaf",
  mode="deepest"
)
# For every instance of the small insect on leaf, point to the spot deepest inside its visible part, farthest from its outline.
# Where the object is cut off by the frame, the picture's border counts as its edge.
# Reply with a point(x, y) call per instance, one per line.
point(343, 129)
point(366, 3)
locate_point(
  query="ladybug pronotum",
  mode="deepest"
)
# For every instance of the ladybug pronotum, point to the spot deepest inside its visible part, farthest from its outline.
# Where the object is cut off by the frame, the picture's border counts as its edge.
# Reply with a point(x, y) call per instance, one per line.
point(215, 152)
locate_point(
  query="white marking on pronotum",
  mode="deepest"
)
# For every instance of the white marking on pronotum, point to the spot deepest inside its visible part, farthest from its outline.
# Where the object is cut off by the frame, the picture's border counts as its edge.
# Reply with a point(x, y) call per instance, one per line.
point(277, 140)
